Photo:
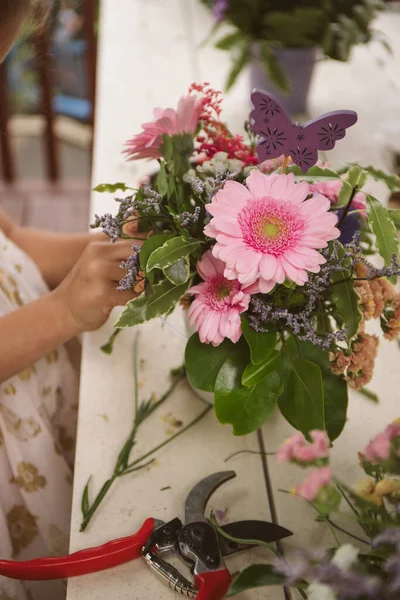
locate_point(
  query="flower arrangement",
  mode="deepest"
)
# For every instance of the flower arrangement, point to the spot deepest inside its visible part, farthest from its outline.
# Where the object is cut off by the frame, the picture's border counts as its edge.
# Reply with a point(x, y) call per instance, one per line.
point(272, 265)
point(335, 27)
point(369, 567)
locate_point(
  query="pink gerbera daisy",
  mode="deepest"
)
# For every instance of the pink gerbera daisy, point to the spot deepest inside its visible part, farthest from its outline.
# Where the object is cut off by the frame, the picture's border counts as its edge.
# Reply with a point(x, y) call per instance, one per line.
point(166, 121)
point(268, 231)
point(216, 310)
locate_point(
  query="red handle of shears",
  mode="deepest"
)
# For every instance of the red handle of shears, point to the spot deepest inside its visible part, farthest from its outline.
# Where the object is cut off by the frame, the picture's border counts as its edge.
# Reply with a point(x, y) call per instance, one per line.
point(213, 585)
point(83, 562)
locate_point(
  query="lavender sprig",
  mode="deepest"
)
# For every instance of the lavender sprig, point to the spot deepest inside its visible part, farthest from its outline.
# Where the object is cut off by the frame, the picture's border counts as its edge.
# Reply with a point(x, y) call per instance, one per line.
point(132, 266)
point(186, 218)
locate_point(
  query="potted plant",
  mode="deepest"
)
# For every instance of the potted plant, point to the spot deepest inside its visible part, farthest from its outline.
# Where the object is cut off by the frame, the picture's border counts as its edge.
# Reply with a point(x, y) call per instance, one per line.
point(280, 39)
point(271, 263)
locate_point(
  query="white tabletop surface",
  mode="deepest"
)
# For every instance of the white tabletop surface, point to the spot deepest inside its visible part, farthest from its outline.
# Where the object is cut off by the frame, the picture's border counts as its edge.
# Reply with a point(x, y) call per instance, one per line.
point(149, 55)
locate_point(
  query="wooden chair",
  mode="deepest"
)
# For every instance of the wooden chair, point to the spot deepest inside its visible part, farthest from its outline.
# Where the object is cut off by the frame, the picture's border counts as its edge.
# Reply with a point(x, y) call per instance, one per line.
point(45, 69)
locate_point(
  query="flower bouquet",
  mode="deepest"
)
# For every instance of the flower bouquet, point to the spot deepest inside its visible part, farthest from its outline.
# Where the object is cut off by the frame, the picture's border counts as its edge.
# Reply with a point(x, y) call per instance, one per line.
point(270, 260)
point(369, 566)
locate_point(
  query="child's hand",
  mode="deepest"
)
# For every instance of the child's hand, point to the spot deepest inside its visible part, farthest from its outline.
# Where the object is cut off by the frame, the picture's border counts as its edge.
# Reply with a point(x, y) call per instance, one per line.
point(89, 292)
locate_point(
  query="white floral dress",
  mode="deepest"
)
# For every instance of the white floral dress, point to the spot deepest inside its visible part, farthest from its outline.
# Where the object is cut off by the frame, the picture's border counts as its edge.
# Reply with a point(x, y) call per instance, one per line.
point(38, 410)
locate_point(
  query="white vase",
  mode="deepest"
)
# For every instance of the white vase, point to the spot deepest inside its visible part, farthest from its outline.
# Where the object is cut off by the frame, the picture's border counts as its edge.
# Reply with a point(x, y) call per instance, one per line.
point(206, 396)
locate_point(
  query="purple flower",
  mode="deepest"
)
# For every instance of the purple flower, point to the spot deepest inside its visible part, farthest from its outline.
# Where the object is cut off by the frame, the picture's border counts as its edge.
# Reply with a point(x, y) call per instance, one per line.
point(132, 266)
point(351, 224)
point(220, 8)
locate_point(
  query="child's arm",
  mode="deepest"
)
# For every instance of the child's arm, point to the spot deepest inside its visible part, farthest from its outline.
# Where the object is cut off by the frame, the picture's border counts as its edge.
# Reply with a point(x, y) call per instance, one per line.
point(55, 254)
point(82, 302)
point(30, 332)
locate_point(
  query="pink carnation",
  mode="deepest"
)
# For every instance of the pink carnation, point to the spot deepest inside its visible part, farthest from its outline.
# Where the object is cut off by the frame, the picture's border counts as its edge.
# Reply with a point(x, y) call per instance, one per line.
point(379, 447)
point(297, 448)
point(267, 231)
point(166, 121)
point(330, 189)
point(216, 310)
point(311, 486)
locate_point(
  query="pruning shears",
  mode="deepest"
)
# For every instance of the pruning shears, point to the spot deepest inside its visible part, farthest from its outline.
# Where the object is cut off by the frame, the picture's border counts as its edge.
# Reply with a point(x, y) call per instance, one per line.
point(196, 542)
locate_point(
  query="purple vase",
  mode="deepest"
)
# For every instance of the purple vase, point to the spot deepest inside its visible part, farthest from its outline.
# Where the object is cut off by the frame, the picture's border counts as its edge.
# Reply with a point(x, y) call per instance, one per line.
point(298, 63)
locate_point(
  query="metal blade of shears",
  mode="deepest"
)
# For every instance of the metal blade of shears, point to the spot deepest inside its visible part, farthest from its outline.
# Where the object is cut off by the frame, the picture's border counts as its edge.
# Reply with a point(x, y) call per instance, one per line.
point(249, 530)
point(197, 499)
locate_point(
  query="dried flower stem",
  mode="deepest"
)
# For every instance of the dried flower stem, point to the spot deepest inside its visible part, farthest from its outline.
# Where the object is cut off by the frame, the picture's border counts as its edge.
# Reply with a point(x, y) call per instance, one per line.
point(284, 164)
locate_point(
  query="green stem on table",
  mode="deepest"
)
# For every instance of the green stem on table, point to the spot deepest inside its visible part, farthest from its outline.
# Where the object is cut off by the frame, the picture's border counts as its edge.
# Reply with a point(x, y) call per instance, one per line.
point(369, 394)
point(249, 452)
point(183, 430)
point(121, 465)
point(355, 537)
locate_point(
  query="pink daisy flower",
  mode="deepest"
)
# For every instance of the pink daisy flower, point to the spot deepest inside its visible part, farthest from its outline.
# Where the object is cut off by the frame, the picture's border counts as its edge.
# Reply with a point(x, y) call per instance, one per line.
point(215, 312)
point(166, 121)
point(267, 231)
point(316, 480)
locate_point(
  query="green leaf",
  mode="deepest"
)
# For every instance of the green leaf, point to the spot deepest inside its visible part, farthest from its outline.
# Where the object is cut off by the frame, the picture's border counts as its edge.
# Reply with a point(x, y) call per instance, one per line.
point(239, 63)
point(253, 577)
point(391, 180)
point(335, 388)
point(346, 299)
point(178, 272)
point(162, 180)
point(274, 69)
point(164, 297)
point(246, 408)
point(172, 251)
point(151, 244)
point(253, 374)
point(345, 194)
point(228, 41)
point(204, 361)
point(108, 347)
point(85, 505)
point(384, 229)
point(356, 177)
point(302, 402)
point(394, 214)
point(313, 174)
point(261, 343)
point(111, 188)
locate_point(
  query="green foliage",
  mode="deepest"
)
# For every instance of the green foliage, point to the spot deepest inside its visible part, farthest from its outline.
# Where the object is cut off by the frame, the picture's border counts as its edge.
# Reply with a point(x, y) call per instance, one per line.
point(240, 59)
point(163, 298)
point(346, 299)
point(335, 26)
point(171, 251)
point(261, 344)
point(273, 68)
point(391, 180)
point(335, 388)
point(111, 188)
point(246, 408)
point(384, 229)
point(204, 361)
point(178, 272)
point(149, 246)
point(253, 577)
point(302, 402)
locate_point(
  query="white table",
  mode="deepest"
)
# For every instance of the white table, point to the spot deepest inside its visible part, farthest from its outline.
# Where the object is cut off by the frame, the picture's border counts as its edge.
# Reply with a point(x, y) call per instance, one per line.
point(149, 54)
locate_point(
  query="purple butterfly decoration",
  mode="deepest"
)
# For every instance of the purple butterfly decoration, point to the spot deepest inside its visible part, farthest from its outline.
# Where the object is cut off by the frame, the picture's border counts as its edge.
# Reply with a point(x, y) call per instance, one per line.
point(279, 135)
